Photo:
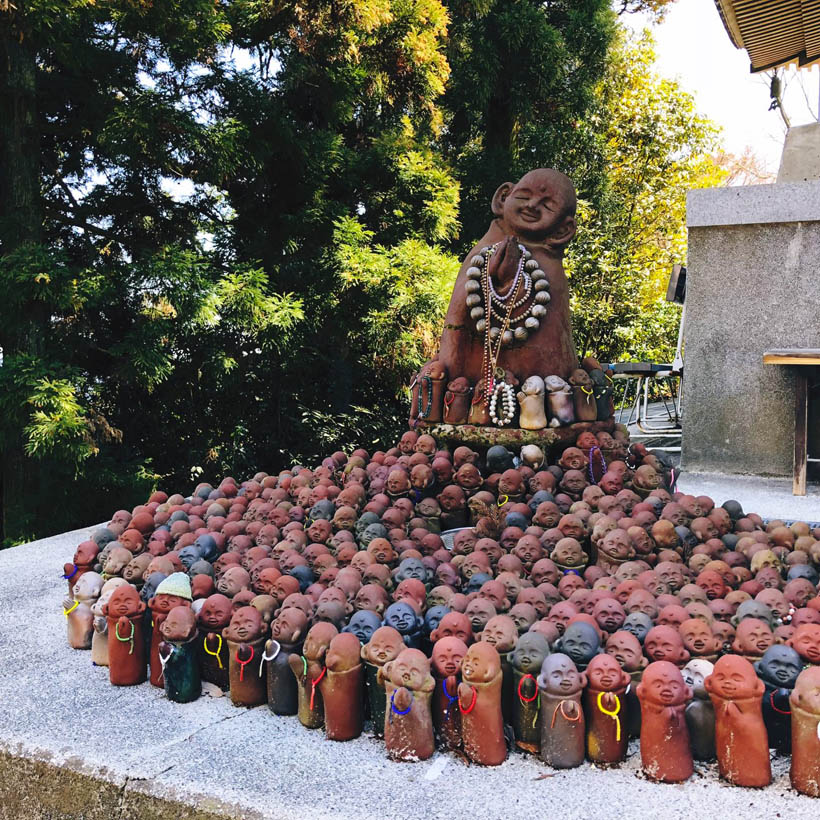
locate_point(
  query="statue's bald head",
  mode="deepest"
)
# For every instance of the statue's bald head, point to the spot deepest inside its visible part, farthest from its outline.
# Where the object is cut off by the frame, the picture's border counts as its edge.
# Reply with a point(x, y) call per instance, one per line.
point(548, 179)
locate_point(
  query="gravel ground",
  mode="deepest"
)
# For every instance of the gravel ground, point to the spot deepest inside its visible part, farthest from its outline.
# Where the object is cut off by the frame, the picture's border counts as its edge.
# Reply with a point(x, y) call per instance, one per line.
point(56, 706)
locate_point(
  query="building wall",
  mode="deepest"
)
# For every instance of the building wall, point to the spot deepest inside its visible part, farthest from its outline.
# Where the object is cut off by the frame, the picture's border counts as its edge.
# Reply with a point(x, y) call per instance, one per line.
point(753, 284)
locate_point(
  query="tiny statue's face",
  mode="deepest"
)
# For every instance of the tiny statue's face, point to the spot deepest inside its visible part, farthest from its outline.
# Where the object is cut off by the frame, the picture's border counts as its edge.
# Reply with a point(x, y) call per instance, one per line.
point(215, 613)
point(571, 526)
point(734, 678)
point(481, 663)
point(806, 692)
point(560, 677)
point(479, 611)
point(639, 624)
point(448, 653)
point(573, 459)
point(753, 637)
point(180, 625)
point(88, 587)
point(468, 477)
point(698, 637)
point(524, 616)
point(544, 571)
point(125, 601)
point(662, 683)
point(410, 669)
point(233, 581)
point(780, 666)
point(246, 625)
point(642, 600)
point(402, 617)
point(663, 643)
point(495, 593)
point(451, 498)
point(363, 624)
point(289, 625)
point(605, 674)
point(501, 633)
point(616, 545)
point(529, 653)
point(580, 642)
point(568, 553)
point(510, 483)
point(385, 645)
point(806, 641)
point(626, 649)
point(609, 614)
point(694, 673)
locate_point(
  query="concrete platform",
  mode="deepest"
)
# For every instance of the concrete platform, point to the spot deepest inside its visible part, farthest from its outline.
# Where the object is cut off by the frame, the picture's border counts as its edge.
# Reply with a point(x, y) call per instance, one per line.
point(768, 497)
point(72, 746)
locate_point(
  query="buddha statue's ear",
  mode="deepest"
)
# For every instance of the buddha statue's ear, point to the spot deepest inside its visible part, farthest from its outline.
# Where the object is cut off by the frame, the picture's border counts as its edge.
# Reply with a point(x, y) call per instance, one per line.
point(564, 233)
point(500, 196)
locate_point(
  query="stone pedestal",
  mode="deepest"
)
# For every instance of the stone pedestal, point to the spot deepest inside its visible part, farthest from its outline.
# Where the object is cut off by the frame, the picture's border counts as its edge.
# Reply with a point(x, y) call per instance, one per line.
point(752, 285)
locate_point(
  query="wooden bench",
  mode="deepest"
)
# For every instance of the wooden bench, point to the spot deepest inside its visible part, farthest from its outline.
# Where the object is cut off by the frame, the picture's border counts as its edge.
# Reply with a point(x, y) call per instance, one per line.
point(801, 359)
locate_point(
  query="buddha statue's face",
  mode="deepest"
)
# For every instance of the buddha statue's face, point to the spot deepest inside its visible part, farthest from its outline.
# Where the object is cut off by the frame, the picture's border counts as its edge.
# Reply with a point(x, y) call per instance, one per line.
point(410, 669)
point(780, 666)
point(448, 653)
point(734, 677)
point(481, 663)
point(662, 683)
point(626, 649)
point(537, 206)
point(501, 632)
point(560, 677)
point(385, 645)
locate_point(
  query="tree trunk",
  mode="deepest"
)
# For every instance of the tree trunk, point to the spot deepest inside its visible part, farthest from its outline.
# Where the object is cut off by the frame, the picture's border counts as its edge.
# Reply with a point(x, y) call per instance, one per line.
point(20, 224)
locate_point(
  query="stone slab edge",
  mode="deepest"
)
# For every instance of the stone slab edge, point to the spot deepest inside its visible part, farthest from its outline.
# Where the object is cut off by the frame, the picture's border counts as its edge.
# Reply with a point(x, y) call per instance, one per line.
point(38, 787)
point(753, 204)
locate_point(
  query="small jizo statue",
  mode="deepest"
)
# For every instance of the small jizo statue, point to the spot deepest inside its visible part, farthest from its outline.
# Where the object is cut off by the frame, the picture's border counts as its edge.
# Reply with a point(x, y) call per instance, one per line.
point(342, 688)
point(531, 401)
point(309, 669)
point(385, 645)
point(665, 752)
point(448, 654)
point(605, 709)
point(213, 618)
point(179, 656)
point(563, 728)
point(526, 659)
point(287, 633)
point(700, 714)
point(408, 722)
point(77, 610)
point(805, 706)
point(479, 701)
point(127, 661)
point(778, 669)
point(246, 640)
point(740, 734)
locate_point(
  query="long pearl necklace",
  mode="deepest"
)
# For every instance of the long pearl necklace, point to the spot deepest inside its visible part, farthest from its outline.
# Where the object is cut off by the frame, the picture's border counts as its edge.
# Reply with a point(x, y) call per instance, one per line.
point(495, 315)
point(507, 394)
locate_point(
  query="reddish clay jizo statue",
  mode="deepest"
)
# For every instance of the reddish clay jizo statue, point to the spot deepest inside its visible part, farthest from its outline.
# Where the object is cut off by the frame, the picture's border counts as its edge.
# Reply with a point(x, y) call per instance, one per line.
point(213, 617)
point(740, 734)
point(246, 640)
point(805, 707)
point(479, 700)
point(309, 669)
point(563, 728)
point(342, 688)
point(665, 752)
point(408, 722)
point(127, 662)
point(606, 710)
point(85, 557)
point(77, 610)
point(448, 654)
point(539, 211)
